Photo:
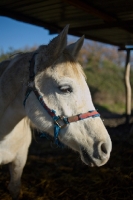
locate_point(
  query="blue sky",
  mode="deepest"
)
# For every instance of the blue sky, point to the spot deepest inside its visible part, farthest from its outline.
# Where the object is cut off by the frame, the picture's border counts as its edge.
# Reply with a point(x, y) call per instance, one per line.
point(18, 35)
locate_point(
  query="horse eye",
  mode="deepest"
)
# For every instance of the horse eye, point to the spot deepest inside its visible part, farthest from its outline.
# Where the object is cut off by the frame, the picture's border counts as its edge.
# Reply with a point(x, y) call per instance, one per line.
point(65, 89)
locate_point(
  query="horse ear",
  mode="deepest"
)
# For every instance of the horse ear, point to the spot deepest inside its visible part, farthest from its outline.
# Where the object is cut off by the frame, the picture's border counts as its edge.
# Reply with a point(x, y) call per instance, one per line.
point(74, 48)
point(58, 44)
point(47, 54)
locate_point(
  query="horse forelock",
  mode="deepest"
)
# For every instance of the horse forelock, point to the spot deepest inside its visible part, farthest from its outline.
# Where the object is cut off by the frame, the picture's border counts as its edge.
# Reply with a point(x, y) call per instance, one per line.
point(43, 62)
point(66, 66)
point(72, 66)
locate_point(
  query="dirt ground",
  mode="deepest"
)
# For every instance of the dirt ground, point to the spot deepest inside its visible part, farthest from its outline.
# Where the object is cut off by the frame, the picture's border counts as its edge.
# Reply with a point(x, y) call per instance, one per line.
point(53, 173)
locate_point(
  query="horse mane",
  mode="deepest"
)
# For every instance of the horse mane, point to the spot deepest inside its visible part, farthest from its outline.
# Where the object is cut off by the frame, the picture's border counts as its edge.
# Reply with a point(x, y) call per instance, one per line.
point(3, 65)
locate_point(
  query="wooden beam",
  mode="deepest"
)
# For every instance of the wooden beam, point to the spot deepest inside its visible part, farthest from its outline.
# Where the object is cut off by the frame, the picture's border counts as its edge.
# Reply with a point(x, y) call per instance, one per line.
point(90, 9)
point(53, 28)
point(100, 14)
point(105, 25)
point(91, 27)
point(125, 48)
point(95, 38)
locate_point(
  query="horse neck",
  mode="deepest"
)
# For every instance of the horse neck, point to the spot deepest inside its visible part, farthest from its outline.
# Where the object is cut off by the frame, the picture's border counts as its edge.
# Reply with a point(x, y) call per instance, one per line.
point(11, 116)
point(12, 92)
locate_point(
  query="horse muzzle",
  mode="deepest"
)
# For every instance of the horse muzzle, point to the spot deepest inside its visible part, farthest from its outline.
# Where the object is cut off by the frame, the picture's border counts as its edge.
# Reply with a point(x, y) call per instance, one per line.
point(99, 156)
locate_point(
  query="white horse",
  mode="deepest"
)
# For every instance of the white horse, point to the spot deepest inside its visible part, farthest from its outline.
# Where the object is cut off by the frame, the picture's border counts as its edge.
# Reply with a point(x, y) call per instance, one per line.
point(51, 91)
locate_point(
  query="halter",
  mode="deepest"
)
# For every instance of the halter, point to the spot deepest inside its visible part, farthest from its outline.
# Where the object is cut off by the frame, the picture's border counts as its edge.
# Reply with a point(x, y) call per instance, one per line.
point(59, 121)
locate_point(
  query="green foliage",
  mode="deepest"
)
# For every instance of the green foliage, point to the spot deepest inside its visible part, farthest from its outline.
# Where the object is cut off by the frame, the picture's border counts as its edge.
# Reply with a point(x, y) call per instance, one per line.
point(3, 56)
point(106, 82)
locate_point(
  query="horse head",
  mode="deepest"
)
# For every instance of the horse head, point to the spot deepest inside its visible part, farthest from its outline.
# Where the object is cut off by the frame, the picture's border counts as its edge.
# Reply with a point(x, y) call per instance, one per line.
point(61, 85)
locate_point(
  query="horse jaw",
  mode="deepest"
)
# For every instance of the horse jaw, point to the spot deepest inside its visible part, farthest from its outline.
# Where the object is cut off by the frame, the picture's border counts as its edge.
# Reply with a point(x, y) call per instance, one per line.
point(90, 138)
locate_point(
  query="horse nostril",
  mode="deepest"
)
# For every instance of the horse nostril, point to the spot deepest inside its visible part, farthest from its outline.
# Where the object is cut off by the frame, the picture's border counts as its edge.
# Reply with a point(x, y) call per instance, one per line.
point(103, 148)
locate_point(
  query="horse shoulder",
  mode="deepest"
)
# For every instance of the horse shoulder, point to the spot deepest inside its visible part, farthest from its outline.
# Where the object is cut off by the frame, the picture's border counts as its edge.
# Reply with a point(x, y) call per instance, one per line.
point(15, 145)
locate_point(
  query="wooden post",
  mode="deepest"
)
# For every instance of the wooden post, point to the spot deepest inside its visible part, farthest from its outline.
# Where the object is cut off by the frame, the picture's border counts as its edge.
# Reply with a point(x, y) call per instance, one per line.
point(128, 87)
point(127, 84)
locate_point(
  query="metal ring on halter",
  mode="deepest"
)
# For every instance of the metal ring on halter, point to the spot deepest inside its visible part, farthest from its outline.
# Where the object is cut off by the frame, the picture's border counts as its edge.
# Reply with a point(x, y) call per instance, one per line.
point(59, 121)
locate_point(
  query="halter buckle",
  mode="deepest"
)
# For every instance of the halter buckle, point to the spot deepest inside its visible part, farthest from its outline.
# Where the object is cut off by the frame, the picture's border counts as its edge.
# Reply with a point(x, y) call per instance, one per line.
point(60, 122)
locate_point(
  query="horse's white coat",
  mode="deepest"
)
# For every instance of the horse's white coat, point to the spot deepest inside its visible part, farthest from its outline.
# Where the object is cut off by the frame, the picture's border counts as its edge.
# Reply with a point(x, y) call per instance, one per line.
point(61, 82)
